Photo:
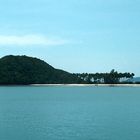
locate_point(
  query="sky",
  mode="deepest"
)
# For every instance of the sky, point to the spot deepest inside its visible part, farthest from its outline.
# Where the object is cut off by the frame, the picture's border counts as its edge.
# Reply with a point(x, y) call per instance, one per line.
point(73, 35)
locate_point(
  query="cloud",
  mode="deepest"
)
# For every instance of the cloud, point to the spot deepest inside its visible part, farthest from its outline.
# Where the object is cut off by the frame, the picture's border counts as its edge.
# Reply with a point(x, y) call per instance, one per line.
point(30, 40)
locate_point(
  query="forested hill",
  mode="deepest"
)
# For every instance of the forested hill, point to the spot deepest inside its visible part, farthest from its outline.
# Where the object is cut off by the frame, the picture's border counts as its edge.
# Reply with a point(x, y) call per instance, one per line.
point(29, 70)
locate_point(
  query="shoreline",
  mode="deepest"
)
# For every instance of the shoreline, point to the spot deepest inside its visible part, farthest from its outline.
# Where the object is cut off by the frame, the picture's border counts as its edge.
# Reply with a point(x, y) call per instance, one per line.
point(89, 85)
point(74, 85)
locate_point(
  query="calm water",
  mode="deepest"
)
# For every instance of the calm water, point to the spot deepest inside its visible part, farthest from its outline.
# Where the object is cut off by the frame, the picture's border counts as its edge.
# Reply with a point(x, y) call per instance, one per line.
point(69, 113)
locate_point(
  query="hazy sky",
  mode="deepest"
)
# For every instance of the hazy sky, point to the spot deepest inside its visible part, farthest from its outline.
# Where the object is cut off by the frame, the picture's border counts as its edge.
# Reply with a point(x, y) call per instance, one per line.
point(74, 35)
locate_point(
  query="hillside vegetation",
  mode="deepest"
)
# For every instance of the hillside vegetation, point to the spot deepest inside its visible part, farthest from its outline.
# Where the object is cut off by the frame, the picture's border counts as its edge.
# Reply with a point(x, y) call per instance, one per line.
point(28, 70)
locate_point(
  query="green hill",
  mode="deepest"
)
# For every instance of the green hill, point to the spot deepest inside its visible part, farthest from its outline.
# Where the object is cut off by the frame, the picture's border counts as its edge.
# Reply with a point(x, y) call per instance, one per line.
point(29, 70)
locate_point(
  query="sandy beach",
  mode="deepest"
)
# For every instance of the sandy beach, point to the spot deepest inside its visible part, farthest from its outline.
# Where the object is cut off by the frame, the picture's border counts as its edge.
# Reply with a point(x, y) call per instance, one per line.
point(100, 85)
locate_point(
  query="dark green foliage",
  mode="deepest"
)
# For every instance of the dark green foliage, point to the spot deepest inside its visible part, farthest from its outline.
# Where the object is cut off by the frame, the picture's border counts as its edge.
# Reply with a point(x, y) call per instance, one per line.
point(28, 70)
point(107, 78)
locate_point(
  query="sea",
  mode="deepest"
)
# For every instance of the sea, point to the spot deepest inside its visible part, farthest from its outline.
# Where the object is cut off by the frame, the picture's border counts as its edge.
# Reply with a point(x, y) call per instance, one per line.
point(69, 113)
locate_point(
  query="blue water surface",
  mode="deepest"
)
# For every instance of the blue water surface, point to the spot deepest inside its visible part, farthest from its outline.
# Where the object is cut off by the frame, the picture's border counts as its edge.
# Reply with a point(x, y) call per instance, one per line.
point(69, 113)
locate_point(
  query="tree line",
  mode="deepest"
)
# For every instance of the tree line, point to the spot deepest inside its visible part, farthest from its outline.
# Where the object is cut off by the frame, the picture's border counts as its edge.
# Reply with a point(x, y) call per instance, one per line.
point(113, 77)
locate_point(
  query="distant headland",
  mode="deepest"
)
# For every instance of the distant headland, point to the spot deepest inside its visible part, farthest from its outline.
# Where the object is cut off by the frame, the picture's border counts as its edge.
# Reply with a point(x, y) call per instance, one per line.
point(25, 70)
